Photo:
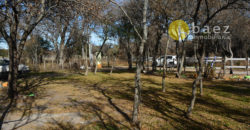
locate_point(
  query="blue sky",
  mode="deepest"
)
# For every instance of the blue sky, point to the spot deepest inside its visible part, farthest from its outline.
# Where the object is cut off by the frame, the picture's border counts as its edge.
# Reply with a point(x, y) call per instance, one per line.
point(95, 39)
point(3, 45)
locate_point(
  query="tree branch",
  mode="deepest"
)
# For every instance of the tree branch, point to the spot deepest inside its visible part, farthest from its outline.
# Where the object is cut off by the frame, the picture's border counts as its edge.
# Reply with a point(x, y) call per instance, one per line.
point(218, 11)
point(197, 11)
point(30, 28)
point(130, 20)
point(207, 8)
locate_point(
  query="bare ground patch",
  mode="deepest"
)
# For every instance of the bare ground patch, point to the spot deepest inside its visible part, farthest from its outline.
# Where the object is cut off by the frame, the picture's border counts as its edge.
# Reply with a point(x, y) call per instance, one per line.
point(103, 101)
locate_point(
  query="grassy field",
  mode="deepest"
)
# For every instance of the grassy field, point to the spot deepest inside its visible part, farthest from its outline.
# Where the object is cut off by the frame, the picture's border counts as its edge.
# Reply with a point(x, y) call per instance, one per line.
point(66, 100)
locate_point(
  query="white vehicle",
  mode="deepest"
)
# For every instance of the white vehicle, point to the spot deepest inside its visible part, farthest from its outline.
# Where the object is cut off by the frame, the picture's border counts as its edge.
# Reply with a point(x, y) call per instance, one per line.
point(171, 61)
point(4, 67)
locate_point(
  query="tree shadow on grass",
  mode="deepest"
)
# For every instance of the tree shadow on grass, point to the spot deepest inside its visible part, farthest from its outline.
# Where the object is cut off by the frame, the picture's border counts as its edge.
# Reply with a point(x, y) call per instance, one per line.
point(219, 108)
point(24, 104)
point(154, 99)
point(239, 88)
point(105, 120)
point(27, 115)
point(118, 70)
point(112, 104)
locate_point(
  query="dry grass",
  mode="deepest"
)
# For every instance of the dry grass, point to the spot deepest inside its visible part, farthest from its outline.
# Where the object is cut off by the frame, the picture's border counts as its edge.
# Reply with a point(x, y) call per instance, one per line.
point(109, 100)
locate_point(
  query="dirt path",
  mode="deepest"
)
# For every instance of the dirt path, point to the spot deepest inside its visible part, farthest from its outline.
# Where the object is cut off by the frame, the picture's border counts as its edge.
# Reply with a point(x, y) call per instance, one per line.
point(60, 102)
point(53, 105)
point(40, 120)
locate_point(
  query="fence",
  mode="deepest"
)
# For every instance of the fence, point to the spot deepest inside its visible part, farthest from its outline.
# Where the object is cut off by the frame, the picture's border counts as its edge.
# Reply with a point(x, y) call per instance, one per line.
point(224, 65)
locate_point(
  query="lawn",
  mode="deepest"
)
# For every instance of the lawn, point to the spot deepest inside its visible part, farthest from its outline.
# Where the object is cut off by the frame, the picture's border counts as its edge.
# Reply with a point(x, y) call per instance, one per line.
point(65, 100)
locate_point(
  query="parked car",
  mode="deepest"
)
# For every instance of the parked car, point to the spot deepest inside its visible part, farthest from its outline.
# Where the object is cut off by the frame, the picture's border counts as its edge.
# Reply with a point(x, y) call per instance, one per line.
point(171, 61)
point(4, 67)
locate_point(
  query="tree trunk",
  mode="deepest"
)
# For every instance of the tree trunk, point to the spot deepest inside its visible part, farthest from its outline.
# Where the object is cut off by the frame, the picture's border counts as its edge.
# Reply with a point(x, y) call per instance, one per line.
point(108, 61)
point(85, 58)
point(232, 55)
point(86, 63)
point(193, 95)
point(137, 98)
point(52, 65)
point(5, 112)
point(199, 78)
point(95, 65)
point(44, 63)
point(247, 60)
point(201, 86)
point(143, 59)
point(195, 55)
point(83, 51)
point(90, 55)
point(13, 70)
point(61, 61)
point(201, 68)
point(111, 71)
point(62, 42)
point(129, 54)
point(130, 60)
point(99, 52)
point(56, 52)
point(16, 43)
point(180, 68)
point(148, 60)
point(163, 59)
point(194, 89)
point(164, 68)
point(185, 64)
point(36, 57)
point(180, 60)
point(156, 49)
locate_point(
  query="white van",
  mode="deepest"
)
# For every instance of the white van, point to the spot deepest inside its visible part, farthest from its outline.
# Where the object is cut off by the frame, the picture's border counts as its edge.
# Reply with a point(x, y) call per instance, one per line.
point(171, 61)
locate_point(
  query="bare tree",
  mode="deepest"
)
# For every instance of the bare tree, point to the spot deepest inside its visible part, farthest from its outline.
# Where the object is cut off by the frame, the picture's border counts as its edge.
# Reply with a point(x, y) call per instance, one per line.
point(113, 52)
point(137, 98)
point(165, 67)
point(160, 15)
point(139, 64)
point(105, 38)
point(18, 20)
point(201, 20)
point(59, 30)
point(16, 33)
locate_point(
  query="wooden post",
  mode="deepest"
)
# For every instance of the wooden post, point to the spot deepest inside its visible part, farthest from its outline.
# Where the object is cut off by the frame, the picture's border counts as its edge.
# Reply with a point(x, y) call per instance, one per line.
point(224, 65)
